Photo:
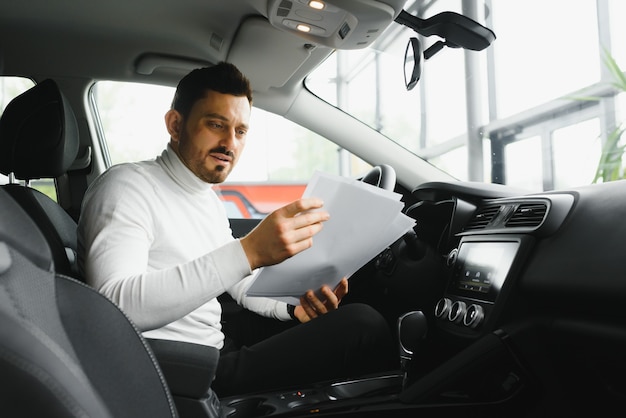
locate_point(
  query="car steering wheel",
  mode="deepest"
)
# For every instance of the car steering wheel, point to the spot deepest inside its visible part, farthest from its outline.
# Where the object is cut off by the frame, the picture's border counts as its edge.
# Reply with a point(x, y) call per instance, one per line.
point(383, 176)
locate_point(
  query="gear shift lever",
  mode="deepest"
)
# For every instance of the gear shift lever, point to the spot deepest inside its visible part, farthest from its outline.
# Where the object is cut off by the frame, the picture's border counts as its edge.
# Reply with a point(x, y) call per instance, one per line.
point(412, 327)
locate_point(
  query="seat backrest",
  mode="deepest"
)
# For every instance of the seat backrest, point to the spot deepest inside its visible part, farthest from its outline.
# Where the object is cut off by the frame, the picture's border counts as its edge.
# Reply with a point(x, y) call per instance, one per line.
point(66, 350)
point(39, 139)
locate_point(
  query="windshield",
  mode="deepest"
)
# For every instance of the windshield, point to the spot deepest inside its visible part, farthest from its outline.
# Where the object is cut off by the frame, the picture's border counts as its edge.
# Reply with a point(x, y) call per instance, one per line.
point(540, 109)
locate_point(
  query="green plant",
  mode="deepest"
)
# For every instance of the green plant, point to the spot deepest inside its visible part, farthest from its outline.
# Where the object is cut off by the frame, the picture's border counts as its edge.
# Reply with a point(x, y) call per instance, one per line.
point(610, 166)
point(611, 161)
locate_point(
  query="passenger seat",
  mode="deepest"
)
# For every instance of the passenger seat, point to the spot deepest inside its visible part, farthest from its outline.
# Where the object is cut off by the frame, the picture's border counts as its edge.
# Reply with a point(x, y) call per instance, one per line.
point(65, 349)
point(39, 139)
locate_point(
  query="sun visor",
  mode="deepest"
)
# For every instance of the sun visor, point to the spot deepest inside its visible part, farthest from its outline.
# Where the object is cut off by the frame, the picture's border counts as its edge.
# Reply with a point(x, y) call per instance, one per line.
point(267, 55)
point(336, 24)
point(153, 64)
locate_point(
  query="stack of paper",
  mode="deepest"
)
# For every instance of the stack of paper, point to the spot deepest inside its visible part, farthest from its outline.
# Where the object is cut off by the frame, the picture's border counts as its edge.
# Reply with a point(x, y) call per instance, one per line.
point(364, 220)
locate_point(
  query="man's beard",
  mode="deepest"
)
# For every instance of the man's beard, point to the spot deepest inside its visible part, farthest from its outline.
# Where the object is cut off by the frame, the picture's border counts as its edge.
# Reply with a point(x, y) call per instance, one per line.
point(216, 175)
point(199, 168)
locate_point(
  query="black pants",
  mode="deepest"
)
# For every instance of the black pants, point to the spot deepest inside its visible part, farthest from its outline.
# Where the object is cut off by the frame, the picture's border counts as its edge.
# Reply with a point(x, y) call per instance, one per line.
point(349, 342)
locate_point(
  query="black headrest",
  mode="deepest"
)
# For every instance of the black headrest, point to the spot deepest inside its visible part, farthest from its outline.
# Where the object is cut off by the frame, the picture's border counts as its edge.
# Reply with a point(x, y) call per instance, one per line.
point(19, 231)
point(38, 134)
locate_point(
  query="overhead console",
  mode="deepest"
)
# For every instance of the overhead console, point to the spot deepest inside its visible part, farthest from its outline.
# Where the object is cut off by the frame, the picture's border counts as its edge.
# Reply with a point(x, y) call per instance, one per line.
point(337, 24)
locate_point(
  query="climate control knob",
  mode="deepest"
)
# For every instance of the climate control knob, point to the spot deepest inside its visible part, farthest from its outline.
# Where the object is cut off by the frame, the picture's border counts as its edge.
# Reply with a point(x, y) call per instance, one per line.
point(442, 308)
point(474, 315)
point(457, 311)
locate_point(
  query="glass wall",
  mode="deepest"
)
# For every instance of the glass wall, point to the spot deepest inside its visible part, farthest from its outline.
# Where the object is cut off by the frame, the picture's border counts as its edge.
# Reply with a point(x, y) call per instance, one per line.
point(537, 109)
point(277, 163)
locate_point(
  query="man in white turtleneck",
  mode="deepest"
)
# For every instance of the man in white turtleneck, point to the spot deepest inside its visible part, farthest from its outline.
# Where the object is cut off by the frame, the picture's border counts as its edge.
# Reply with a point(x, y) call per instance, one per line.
point(155, 238)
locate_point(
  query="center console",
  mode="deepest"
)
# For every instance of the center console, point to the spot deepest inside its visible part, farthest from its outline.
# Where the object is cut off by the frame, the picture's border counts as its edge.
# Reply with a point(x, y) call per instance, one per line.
point(370, 390)
point(481, 270)
point(314, 399)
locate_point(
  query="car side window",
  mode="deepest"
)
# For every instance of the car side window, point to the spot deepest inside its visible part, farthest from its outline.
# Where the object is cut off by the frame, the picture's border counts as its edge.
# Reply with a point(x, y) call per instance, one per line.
point(278, 161)
point(10, 88)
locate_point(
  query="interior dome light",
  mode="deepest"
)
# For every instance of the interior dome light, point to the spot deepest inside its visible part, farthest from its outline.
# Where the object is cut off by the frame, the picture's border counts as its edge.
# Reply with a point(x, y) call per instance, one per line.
point(303, 28)
point(317, 5)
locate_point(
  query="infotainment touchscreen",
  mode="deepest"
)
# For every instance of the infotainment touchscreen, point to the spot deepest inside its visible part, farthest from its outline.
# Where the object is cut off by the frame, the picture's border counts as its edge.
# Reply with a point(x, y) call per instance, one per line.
point(481, 268)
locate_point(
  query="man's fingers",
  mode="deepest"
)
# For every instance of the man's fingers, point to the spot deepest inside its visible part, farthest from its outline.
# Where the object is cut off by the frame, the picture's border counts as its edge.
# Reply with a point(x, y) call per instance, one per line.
point(304, 234)
point(333, 297)
point(316, 303)
point(305, 220)
point(308, 309)
point(302, 212)
point(301, 226)
point(284, 233)
point(332, 301)
point(301, 205)
point(312, 305)
point(342, 289)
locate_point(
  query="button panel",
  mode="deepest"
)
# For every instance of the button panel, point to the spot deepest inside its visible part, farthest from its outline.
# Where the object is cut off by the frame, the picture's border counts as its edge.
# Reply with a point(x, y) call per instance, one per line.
point(459, 313)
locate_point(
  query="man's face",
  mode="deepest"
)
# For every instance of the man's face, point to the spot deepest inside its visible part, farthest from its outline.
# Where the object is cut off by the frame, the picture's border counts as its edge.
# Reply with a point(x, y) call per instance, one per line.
point(211, 139)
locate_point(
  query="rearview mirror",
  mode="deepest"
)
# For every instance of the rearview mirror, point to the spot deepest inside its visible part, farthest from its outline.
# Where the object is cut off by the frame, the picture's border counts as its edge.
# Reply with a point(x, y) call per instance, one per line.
point(412, 63)
point(458, 31)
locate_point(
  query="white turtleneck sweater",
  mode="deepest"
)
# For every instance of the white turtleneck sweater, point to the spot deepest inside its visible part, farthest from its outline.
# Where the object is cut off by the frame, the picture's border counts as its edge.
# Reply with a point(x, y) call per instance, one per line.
point(156, 240)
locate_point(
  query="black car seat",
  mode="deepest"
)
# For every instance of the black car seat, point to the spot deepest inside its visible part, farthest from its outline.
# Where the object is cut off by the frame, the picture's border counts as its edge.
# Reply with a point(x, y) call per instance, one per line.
point(39, 139)
point(65, 349)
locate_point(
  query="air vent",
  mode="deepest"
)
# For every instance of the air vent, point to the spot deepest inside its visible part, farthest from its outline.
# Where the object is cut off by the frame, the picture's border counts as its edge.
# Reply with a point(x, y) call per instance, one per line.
point(482, 218)
point(527, 215)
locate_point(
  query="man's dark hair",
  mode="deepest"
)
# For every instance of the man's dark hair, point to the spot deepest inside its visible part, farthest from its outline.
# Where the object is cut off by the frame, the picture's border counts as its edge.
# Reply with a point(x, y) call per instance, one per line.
point(223, 78)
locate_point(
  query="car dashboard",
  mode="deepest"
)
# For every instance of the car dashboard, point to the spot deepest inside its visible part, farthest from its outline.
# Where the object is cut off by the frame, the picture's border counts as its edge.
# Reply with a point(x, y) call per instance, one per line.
point(523, 297)
point(522, 294)
point(541, 273)
point(484, 248)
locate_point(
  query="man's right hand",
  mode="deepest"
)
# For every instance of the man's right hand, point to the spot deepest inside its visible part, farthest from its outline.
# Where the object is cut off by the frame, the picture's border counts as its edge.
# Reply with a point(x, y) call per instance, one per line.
point(284, 232)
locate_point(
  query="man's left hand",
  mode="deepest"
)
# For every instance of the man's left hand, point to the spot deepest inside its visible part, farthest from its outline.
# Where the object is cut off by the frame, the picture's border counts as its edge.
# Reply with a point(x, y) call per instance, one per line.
point(312, 306)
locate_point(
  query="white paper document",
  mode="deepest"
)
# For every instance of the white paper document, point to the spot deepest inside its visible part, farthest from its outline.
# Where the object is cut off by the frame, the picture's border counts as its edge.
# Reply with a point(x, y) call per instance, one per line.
point(364, 220)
